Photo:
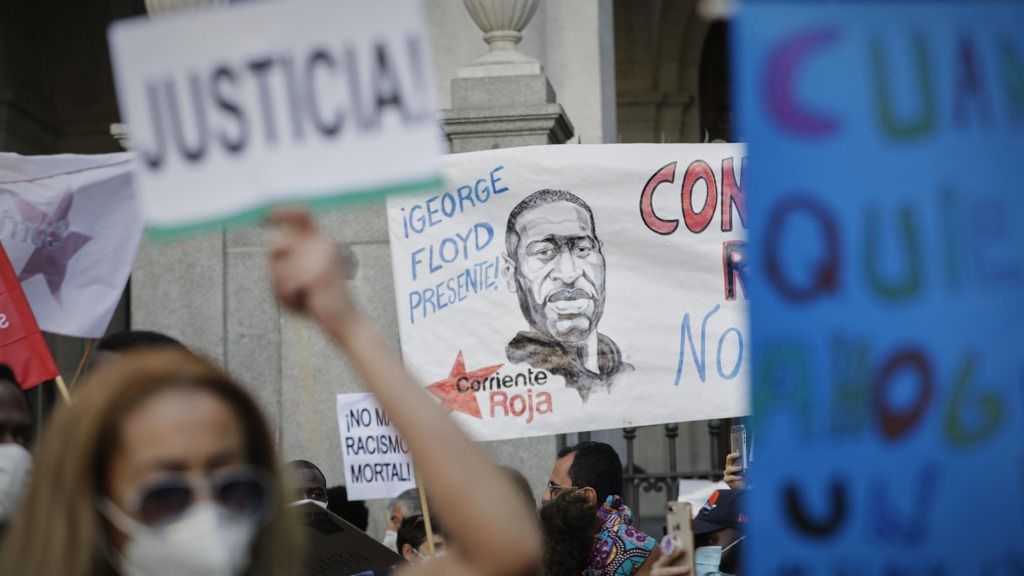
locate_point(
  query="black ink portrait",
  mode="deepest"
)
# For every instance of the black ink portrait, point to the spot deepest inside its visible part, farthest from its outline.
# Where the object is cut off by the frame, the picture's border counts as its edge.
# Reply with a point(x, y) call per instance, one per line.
point(555, 264)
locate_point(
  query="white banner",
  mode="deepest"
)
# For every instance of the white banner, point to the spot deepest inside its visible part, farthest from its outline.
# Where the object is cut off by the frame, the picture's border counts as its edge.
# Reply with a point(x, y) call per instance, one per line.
point(233, 109)
point(71, 227)
point(376, 460)
point(616, 300)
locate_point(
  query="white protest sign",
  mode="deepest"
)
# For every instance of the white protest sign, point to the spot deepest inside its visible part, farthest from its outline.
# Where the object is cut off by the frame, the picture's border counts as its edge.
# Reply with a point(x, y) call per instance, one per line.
point(617, 300)
point(235, 109)
point(376, 459)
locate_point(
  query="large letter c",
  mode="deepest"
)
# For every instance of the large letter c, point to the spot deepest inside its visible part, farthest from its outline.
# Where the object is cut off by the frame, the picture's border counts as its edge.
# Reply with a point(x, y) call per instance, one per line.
point(777, 85)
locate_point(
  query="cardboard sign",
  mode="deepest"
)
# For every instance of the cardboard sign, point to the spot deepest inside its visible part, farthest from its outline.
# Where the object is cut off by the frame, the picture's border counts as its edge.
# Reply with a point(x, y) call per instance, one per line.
point(336, 548)
point(234, 109)
point(886, 210)
point(376, 459)
point(563, 288)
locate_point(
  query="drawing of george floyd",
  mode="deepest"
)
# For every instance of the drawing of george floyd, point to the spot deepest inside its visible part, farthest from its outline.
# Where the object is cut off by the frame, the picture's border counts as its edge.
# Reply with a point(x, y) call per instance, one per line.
point(555, 264)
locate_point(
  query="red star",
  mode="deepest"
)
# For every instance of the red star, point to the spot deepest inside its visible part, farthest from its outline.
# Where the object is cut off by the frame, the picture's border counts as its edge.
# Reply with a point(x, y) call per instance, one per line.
point(450, 396)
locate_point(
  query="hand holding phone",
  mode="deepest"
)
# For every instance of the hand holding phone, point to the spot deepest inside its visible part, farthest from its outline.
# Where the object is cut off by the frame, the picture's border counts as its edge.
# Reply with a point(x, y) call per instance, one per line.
point(738, 445)
point(678, 520)
point(733, 474)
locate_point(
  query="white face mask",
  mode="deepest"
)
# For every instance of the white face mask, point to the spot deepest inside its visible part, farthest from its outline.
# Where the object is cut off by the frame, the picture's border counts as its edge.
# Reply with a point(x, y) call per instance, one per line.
point(15, 466)
point(391, 540)
point(707, 559)
point(437, 554)
point(207, 541)
point(305, 500)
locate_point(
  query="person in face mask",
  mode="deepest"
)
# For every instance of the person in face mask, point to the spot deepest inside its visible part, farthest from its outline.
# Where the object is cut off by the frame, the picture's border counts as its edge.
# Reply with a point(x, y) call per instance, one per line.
point(412, 539)
point(15, 436)
point(717, 537)
point(164, 466)
point(399, 508)
point(309, 482)
point(718, 534)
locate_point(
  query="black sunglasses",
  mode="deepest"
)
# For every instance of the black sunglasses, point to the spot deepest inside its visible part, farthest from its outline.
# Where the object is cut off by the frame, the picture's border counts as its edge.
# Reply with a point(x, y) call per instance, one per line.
point(241, 490)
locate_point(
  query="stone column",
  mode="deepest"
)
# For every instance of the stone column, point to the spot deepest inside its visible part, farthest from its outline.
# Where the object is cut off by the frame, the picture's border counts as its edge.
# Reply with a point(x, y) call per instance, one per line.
point(503, 99)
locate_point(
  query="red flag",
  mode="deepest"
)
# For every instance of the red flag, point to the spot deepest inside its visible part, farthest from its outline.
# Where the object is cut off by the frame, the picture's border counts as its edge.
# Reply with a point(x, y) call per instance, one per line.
point(21, 343)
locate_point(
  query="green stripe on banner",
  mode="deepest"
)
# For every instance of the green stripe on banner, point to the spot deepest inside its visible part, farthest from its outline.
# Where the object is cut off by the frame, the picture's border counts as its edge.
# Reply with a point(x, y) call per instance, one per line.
point(318, 204)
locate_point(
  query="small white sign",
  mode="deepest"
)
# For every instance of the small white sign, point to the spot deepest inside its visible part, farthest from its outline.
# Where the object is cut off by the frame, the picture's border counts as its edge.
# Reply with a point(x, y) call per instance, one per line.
point(235, 109)
point(376, 459)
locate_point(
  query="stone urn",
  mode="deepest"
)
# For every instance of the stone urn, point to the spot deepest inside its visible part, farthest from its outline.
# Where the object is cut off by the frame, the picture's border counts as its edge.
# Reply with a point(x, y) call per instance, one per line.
point(502, 22)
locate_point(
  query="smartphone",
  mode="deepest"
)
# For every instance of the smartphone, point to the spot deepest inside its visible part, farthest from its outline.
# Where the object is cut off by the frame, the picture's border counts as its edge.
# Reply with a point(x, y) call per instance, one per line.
point(738, 443)
point(678, 520)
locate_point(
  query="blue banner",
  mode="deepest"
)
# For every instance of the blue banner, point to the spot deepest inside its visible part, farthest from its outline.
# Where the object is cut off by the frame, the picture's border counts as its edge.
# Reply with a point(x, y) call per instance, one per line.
point(887, 286)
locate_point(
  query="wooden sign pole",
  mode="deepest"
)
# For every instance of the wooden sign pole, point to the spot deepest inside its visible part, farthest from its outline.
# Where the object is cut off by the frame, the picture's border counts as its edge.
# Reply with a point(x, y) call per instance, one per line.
point(426, 515)
point(63, 389)
point(81, 363)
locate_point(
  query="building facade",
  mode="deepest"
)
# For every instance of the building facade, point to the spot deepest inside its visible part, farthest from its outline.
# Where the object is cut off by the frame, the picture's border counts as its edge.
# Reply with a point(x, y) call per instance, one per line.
point(585, 71)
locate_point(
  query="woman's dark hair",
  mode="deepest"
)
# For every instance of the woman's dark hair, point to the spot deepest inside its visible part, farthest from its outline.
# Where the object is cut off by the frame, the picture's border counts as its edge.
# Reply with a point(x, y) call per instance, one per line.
point(413, 532)
point(570, 525)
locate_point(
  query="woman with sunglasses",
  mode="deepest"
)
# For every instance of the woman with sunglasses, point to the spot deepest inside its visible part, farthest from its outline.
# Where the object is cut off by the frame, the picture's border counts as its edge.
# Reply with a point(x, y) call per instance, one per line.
point(163, 466)
point(494, 531)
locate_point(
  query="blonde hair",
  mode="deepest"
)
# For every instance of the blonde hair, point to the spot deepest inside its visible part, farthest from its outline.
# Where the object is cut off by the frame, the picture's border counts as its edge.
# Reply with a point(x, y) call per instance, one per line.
point(58, 530)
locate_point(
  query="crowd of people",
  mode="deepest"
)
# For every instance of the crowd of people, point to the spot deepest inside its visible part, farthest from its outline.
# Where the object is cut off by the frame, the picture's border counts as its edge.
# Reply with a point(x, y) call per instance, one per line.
point(164, 464)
